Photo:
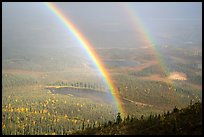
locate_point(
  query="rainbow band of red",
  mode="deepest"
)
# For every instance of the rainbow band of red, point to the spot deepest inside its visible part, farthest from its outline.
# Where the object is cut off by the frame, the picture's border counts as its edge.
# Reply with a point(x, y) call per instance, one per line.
point(84, 43)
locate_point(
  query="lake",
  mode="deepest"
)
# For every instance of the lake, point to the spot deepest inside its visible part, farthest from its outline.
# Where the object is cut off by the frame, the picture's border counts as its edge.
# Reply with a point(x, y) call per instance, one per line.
point(94, 95)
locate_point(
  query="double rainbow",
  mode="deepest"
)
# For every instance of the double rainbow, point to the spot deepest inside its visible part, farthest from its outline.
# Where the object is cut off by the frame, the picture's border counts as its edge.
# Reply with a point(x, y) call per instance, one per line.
point(85, 44)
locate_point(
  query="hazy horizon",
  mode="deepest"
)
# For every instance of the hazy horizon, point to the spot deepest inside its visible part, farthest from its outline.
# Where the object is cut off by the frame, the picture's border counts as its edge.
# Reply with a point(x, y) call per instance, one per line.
point(103, 24)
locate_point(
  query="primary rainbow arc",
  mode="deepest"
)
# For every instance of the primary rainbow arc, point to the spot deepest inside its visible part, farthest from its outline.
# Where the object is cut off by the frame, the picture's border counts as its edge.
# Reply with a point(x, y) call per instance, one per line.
point(84, 43)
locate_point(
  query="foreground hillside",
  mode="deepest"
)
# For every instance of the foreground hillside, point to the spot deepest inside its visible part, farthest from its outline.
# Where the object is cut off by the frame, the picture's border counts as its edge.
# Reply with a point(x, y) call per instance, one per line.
point(186, 121)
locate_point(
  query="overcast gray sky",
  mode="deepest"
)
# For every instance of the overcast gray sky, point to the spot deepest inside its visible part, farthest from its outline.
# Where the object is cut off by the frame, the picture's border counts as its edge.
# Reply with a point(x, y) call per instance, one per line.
point(104, 24)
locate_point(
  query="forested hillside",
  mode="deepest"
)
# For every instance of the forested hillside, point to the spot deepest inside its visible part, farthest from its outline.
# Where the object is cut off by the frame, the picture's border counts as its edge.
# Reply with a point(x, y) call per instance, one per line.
point(186, 121)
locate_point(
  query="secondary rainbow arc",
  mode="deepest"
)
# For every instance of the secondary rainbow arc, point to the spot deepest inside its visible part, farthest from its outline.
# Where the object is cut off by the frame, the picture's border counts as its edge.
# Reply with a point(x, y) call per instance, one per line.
point(145, 35)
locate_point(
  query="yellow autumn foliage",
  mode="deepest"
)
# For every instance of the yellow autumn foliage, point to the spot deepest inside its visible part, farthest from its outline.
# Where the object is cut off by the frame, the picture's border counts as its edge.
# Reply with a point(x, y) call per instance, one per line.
point(75, 121)
point(18, 110)
point(65, 116)
point(22, 109)
point(45, 111)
